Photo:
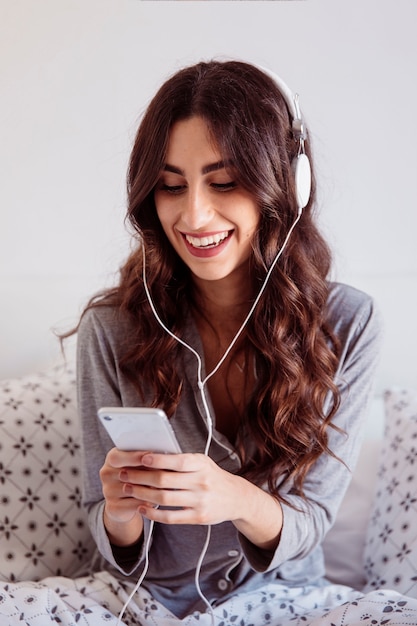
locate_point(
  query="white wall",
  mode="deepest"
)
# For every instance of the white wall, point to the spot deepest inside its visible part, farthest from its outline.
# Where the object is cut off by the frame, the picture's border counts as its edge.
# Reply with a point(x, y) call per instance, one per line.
point(75, 76)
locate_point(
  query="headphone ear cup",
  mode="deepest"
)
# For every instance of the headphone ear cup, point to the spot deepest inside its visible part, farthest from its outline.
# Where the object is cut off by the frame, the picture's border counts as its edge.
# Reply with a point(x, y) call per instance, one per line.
point(302, 174)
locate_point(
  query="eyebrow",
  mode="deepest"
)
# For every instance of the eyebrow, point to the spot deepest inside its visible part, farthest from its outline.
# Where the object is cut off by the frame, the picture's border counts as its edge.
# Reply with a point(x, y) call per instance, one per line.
point(211, 167)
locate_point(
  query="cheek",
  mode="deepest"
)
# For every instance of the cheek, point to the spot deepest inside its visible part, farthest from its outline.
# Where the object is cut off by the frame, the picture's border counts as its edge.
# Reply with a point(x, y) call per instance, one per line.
point(165, 216)
point(159, 208)
point(252, 221)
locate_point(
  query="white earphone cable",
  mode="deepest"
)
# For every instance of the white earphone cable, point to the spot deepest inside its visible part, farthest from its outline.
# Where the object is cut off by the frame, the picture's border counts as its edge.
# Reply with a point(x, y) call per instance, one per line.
point(141, 577)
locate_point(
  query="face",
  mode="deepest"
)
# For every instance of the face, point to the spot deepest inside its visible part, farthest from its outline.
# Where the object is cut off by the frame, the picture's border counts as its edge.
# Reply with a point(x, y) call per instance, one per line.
point(208, 218)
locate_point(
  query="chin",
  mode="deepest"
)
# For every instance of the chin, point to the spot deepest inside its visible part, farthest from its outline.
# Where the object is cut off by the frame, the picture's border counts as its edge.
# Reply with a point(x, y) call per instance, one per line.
point(212, 274)
point(209, 277)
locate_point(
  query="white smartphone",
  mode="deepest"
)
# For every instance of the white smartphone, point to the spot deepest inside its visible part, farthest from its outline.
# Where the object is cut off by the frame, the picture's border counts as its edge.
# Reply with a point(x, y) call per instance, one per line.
point(139, 429)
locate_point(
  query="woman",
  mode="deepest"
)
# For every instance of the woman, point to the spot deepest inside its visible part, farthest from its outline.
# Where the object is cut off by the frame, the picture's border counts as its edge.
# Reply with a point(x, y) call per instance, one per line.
point(225, 318)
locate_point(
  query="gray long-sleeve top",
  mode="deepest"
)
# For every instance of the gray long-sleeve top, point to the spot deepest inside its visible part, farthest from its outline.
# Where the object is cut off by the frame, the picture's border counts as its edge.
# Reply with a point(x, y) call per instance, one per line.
point(231, 563)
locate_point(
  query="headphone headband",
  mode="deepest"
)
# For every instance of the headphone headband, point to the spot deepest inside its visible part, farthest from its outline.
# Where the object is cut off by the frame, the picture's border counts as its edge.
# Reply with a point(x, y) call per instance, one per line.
point(292, 102)
point(301, 164)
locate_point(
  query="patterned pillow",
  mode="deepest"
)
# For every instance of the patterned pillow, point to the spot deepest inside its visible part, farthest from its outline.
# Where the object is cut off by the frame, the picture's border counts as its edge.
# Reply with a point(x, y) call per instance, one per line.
point(391, 546)
point(43, 530)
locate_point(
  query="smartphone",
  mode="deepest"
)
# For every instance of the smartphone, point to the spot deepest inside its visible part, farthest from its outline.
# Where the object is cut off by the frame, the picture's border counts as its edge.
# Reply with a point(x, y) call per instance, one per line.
point(139, 429)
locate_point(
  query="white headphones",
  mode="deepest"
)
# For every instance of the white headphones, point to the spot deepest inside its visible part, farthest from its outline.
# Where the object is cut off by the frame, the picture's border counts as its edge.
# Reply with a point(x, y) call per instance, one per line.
point(301, 164)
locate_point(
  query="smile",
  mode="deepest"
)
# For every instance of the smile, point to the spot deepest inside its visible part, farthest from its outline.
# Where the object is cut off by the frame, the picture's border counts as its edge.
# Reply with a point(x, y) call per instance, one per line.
point(209, 241)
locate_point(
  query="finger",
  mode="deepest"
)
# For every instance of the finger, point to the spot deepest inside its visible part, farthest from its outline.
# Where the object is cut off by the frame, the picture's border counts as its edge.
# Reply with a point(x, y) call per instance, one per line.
point(180, 515)
point(175, 462)
point(123, 509)
point(123, 458)
point(158, 479)
point(113, 487)
point(160, 497)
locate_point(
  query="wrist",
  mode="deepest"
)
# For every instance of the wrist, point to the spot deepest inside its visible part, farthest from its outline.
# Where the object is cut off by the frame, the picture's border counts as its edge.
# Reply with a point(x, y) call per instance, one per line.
point(261, 518)
point(123, 534)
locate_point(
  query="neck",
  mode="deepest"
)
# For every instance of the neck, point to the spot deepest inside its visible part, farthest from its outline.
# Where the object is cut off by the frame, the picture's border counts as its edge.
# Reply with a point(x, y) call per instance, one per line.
point(224, 303)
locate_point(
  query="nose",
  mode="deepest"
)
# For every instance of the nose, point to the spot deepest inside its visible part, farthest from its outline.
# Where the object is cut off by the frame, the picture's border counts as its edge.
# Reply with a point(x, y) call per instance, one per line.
point(197, 210)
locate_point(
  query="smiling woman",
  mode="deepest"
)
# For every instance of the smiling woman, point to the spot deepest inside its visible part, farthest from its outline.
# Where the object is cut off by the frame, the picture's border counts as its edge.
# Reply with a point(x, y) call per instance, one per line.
point(224, 316)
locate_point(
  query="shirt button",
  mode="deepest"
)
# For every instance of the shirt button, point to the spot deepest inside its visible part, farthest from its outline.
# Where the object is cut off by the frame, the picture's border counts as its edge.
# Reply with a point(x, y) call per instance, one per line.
point(233, 456)
point(233, 553)
point(222, 584)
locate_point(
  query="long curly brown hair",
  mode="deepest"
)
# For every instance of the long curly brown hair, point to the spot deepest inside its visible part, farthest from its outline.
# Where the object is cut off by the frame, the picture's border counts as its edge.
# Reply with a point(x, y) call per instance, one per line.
point(296, 352)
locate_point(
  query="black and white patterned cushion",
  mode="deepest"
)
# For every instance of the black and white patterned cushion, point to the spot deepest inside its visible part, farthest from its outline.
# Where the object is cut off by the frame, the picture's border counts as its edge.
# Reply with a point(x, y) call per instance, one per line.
point(43, 528)
point(391, 546)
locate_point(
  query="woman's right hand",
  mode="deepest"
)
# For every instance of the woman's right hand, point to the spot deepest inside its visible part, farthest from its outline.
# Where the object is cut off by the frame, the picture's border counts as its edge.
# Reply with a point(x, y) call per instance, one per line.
point(123, 522)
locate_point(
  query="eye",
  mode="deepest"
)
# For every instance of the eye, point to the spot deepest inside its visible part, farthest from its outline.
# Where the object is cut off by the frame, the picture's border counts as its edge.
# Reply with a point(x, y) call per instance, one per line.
point(224, 186)
point(173, 189)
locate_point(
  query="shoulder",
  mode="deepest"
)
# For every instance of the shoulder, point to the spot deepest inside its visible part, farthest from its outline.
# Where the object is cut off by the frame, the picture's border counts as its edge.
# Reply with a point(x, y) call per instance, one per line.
point(347, 296)
point(105, 326)
point(346, 303)
point(106, 317)
point(353, 314)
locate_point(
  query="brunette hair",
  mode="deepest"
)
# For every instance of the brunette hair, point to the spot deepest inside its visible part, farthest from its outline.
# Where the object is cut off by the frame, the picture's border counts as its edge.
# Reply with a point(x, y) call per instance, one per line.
point(296, 351)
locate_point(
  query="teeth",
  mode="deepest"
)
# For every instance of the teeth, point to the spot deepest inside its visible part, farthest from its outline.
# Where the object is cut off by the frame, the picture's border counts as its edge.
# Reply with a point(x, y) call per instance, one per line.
point(203, 242)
